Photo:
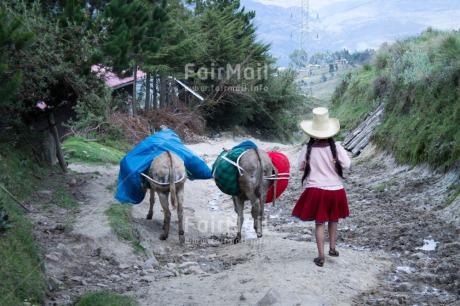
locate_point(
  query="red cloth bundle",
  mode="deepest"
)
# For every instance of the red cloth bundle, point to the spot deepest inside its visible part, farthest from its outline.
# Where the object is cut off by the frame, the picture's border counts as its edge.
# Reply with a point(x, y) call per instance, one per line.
point(281, 162)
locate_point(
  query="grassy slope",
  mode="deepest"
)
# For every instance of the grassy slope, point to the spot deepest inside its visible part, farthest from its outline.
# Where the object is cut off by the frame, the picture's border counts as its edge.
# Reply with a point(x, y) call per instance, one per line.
point(21, 264)
point(78, 150)
point(418, 79)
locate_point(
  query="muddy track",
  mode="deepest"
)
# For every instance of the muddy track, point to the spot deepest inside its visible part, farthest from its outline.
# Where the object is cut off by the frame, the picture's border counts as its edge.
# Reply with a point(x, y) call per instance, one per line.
point(382, 262)
point(398, 210)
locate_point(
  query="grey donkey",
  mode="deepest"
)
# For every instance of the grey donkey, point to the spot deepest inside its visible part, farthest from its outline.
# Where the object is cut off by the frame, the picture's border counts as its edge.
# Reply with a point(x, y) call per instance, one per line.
point(256, 167)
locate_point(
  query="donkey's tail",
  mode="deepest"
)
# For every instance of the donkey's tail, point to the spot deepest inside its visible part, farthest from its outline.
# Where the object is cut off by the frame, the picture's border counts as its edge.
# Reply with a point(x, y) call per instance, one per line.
point(172, 178)
point(261, 178)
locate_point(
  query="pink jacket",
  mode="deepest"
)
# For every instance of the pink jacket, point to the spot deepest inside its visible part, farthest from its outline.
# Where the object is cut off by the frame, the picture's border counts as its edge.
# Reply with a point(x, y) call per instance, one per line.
point(322, 169)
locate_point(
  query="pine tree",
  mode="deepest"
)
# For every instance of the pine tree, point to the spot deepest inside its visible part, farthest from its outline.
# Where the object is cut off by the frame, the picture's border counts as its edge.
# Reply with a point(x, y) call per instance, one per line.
point(12, 37)
point(135, 30)
point(228, 42)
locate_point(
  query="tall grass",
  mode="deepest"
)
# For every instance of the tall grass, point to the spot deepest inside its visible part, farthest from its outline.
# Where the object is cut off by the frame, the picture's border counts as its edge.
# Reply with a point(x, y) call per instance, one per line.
point(21, 266)
point(121, 223)
point(418, 79)
point(105, 298)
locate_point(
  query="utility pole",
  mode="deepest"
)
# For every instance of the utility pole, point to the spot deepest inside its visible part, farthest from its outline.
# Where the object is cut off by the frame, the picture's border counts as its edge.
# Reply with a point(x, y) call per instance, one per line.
point(305, 6)
point(304, 43)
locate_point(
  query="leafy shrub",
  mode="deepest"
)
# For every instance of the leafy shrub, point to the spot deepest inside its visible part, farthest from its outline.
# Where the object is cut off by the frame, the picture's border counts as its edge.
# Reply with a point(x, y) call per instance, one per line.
point(381, 86)
point(416, 66)
point(381, 60)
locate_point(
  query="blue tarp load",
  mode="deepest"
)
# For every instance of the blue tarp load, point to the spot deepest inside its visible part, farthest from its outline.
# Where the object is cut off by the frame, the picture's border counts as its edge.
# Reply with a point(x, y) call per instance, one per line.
point(138, 160)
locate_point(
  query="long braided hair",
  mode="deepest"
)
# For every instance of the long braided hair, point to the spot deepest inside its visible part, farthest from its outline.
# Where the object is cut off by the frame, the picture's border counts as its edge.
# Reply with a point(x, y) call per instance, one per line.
point(310, 144)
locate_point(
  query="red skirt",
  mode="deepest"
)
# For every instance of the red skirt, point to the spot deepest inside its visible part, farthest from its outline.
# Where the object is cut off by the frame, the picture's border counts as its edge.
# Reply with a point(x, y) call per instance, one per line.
point(321, 205)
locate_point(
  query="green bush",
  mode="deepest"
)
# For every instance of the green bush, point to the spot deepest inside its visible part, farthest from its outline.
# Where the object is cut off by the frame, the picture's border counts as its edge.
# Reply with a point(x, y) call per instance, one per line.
point(381, 59)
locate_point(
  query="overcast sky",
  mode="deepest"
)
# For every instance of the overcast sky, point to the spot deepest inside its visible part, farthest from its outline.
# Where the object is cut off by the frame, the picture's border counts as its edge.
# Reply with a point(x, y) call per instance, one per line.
point(445, 16)
point(317, 5)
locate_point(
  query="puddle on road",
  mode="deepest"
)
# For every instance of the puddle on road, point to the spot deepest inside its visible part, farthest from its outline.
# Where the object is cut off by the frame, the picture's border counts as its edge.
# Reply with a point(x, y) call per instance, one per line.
point(215, 204)
point(247, 230)
point(405, 269)
point(428, 245)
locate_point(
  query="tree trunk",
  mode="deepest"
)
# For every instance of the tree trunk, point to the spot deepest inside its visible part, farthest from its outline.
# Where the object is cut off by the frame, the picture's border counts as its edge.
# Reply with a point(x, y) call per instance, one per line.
point(134, 101)
point(167, 92)
point(147, 92)
point(162, 91)
point(173, 93)
point(155, 92)
point(54, 131)
point(130, 106)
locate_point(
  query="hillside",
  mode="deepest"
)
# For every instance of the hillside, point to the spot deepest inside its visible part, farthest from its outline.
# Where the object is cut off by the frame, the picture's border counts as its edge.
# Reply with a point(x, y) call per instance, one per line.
point(418, 82)
point(320, 84)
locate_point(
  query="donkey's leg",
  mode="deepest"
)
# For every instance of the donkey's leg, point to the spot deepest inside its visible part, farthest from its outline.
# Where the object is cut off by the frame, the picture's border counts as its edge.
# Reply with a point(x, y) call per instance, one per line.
point(239, 207)
point(152, 202)
point(260, 217)
point(257, 211)
point(180, 212)
point(167, 214)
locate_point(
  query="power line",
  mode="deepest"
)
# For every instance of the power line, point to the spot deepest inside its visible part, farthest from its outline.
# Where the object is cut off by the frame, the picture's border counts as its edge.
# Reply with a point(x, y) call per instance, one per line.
point(349, 9)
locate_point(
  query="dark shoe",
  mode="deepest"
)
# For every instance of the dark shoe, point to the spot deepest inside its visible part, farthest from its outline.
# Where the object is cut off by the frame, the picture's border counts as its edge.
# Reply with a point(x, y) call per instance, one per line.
point(333, 252)
point(319, 261)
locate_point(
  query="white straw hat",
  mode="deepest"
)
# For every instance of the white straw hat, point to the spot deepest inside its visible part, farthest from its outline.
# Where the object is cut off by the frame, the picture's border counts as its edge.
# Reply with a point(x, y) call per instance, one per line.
point(321, 127)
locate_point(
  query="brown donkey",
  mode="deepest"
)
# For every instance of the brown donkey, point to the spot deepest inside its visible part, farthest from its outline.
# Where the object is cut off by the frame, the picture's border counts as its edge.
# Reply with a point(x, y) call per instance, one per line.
point(167, 175)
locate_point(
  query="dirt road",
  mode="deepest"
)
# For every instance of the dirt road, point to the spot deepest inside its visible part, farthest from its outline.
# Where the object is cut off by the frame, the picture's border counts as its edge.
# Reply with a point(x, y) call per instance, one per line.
point(386, 255)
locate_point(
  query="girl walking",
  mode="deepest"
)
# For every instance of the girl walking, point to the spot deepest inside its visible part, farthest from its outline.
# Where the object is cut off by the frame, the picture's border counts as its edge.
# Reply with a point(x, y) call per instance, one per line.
point(323, 161)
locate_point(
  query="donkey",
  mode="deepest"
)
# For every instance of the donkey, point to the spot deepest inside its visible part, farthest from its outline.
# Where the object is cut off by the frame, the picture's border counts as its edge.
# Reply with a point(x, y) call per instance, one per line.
point(167, 175)
point(256, 166)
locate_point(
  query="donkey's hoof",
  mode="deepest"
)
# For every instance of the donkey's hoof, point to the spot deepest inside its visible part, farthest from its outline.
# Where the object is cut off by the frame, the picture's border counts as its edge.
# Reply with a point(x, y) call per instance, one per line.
point(163, 237)
point(149, 217)
point(259, 235)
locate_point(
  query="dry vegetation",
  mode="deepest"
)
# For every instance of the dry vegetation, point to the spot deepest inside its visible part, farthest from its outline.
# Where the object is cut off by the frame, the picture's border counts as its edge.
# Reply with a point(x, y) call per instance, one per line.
point(187, 125)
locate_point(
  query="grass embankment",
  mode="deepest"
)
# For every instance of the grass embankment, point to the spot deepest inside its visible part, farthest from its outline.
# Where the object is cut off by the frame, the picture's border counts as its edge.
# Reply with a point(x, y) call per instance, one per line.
point(90, 152)
point(120, 222)
point(418, 79)
point(21, 264)
point(22, 174)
